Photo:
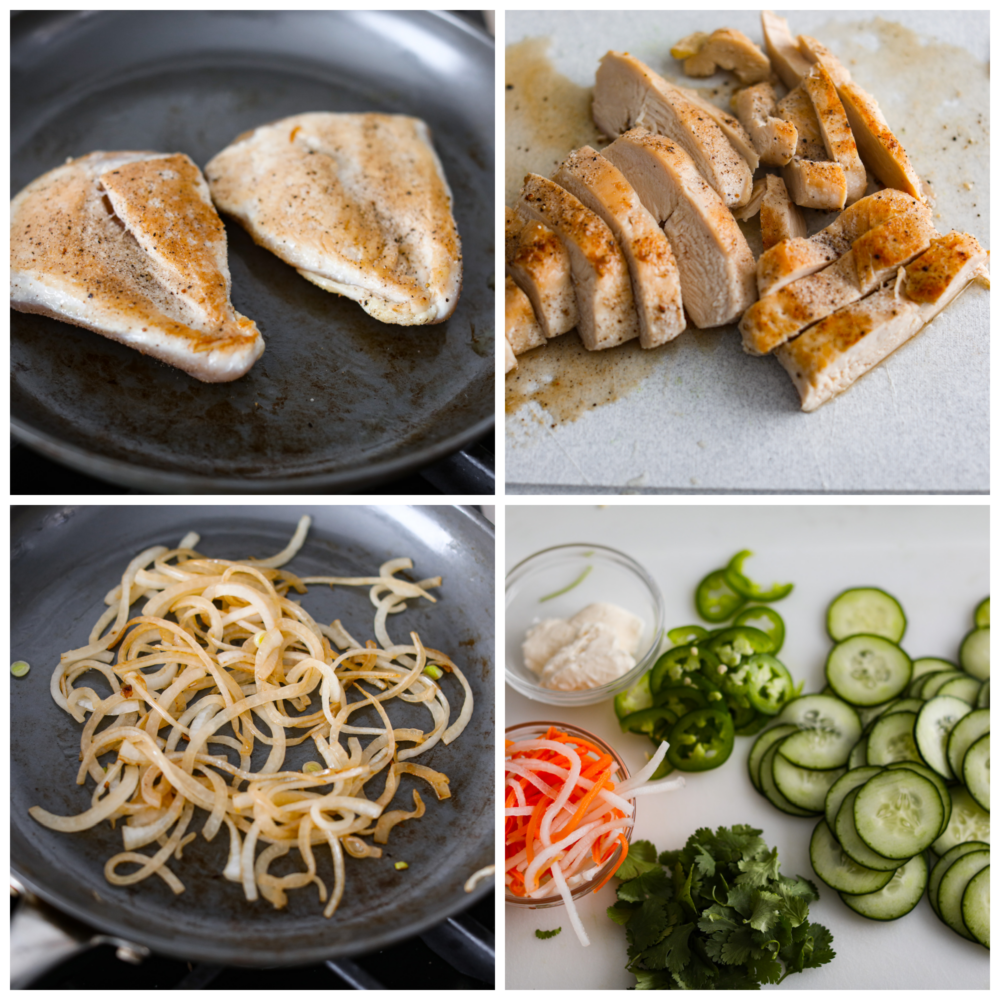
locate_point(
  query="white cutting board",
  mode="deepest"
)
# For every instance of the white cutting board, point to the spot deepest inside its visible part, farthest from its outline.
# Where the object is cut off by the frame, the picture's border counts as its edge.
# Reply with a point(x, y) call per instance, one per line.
point(702, 416)
point(935, 560)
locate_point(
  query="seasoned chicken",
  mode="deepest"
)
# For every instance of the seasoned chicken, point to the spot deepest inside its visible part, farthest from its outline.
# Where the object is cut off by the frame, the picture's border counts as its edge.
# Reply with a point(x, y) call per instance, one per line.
point(837, 137)
point(627, 93)
point(813, 181)
point(872, 259)
point(752, 207)
point(715, 263)
point(774, 138)
point(796, 258)
point(779, 217)
point(656, 285)
point(830, 356)
point(539, 264)
point(817, 52)
point(357, 203)
point(128, 245)
point(509, 361)
point(737, 135)
point(607, 315)
point(797, 108)
point(521, 330)
point(789, 63)
point(732, 50)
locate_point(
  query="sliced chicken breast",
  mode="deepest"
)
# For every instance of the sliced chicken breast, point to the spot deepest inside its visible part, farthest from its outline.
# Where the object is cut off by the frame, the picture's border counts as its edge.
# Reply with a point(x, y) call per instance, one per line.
point(521, 330)
point(796, 258)
point(780, 219)
point(872, 259)
point(128, 245)
point(715, 263)
point(357, 203)
point(838, 139)
point(539, 264)
point(817, 52)
point(812, 180)
point(729, 49)
point(774, 138)
point(788, 62)
point(737, 135)
point(627, 93)
point(509, 361)
point(656, 285)
point(830, 356)
point(752, 207)
point(607, 315)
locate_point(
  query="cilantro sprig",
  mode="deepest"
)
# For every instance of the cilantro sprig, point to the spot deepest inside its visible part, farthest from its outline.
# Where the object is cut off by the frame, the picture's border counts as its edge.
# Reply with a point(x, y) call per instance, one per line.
point(547, 934)
point(717, 914)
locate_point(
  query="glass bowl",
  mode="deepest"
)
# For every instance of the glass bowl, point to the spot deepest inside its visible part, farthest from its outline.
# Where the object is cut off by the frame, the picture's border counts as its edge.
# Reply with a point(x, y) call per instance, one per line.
point(592, 878)
point(611, 576)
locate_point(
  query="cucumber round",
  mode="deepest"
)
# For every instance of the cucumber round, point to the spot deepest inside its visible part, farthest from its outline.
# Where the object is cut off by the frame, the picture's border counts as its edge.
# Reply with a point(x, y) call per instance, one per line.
point(802, 786)
point(930, 664)
point(865, 610)
point(771, 790)
point(854, 847)
point(967, 730)
point(966, 688)
point(836, 869)
point(976, 771)
point(974, 654)
point(829, 728)
point(976, 906)
point(983, 698)
point(935, 721)
point(868, 670)
point(840, 789)
point(935, 779)
point(944, 863)
point(898, 813)
point(761, 745)
point(933, 684)
point(891, 739)
point(897, 897)
point(858, 756)
point(904, 705)
point(952, 888)
point(969, 821)
point(981, 618)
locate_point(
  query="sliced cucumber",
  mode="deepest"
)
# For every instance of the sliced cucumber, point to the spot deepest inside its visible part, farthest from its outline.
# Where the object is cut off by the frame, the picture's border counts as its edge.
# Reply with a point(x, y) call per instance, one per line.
point(935, 721)
point(829, 728)
point(891, 739)
point(952, 888)
point(869, 714)
point(854, 847)
point(802, 786)
point(969, 821)
point(859, 753)
point(983, 698)
point(935, 779)
point(967, 730)
point(929, 664)
point(904, 705)
point(865, 610)
point(836, 869)
point(897, 897)
point(976, 771)
point(936, 681)
point(761, 745)
point(770, 789)
point(976, 906)
point(868, 670)
point(974, 655)
point(840, 789)
point(981, 618)
point(898, 813)
point(966, 688)
point(944, 863)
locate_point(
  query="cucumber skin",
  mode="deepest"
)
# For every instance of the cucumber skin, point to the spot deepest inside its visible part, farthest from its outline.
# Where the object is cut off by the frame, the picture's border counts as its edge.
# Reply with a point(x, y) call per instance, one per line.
point(856, 901)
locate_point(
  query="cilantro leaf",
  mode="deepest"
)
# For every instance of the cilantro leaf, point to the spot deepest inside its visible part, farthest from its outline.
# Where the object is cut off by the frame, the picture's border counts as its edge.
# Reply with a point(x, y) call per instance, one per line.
point(647, 924)
point(651, 883)
point(547, 934)
point(672, 952)
point(758, 872)
point(620, 913)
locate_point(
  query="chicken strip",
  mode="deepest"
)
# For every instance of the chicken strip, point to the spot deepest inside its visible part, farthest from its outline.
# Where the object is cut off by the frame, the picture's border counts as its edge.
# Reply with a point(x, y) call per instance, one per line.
point(873, 258)
point(836, 132)
point(607, 314)
point(656, 284)
point(729, 49)
point(128, 245)
point(357, 203)
point(812, 180)
point(830, 356)
point(752, 207)
point(774, 138)
point(521, 330)
point(789, 63)
point(715, 263)
point(627, 93)
point(779, 217)
point(796, 258)
point(737, 135)
point(509, 361)
point(539, 264)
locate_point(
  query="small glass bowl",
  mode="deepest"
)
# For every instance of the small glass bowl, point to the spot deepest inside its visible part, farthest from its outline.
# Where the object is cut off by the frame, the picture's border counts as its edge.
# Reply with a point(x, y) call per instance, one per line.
point(535, 730)
point(611, 576)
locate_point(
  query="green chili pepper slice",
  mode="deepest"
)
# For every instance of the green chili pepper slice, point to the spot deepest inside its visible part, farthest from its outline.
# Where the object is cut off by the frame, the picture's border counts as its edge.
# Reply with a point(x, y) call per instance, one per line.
point(715, 599)
point(746, 587)
point(681, 698)
point(733, 645)
point(755, 725)
point(680, 662)
point(654, 722)
point(770, 685)
point(701, 740)
point(687, 634)
point(635, 698)
point(767, 620)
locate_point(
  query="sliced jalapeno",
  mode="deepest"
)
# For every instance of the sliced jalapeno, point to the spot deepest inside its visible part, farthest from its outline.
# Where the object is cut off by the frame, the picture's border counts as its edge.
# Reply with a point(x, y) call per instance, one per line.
point(715, 599)
point(635, 698)
point(681, 698)
point(680, 662)
point(701, 740)
point(686, 634)
point(655, 722)
point(769, 683)
point(767, 620)
point(733, 645)
point(747, 588)
point(755, 725)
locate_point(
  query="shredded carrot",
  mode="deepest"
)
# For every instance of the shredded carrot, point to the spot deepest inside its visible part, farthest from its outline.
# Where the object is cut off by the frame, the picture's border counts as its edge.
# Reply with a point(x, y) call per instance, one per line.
point(607, 878)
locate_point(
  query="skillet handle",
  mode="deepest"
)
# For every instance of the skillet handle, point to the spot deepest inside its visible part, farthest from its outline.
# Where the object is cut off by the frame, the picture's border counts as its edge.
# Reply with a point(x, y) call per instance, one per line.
point(466, 944)
point(41, 938)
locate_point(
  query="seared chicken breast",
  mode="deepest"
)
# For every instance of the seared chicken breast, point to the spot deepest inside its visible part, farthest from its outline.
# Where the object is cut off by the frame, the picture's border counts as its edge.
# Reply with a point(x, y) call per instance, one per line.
point(128, 245)
point(357, 203)
point(780, 219)
point(836, 132)
point(521, 329)
point(729, 49)
point(788, 62)
point(774, 138)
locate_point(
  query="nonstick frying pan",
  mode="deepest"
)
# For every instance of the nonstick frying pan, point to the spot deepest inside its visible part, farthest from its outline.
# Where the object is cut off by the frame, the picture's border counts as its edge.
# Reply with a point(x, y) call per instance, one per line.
point(65, 559)
point(338, 401)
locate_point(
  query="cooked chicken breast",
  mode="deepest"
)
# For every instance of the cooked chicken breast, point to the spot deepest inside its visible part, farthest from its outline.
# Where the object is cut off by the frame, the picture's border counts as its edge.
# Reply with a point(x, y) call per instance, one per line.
point(656, 284)
point(128, 245)
point(752, 207)
point(607, 315)
point(797, 108)
point(715, 263)
point(872, 259)
point(789, 63)
point(357, 203)
point(836, 132)
point(539, 264)
point(813, 181)
point(780, 219)
point(830, 356)
point(627, 93)
point(521, 330)
point(732, 50)
point(793, 259)
point(774, 138)
point(817, 52)
point(509, 361)
point(737, 135)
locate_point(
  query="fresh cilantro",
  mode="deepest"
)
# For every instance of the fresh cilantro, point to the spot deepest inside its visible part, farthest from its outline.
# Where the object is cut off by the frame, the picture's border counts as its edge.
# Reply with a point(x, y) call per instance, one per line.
point(547, 934)
point(717, 914)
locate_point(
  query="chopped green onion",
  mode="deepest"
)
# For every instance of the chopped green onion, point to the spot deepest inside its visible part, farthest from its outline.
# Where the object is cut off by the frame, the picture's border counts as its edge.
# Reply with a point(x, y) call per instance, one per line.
point(19, 668)
point(311, 767)
point(400, 866)
point(433, 671)
point(575, 583)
